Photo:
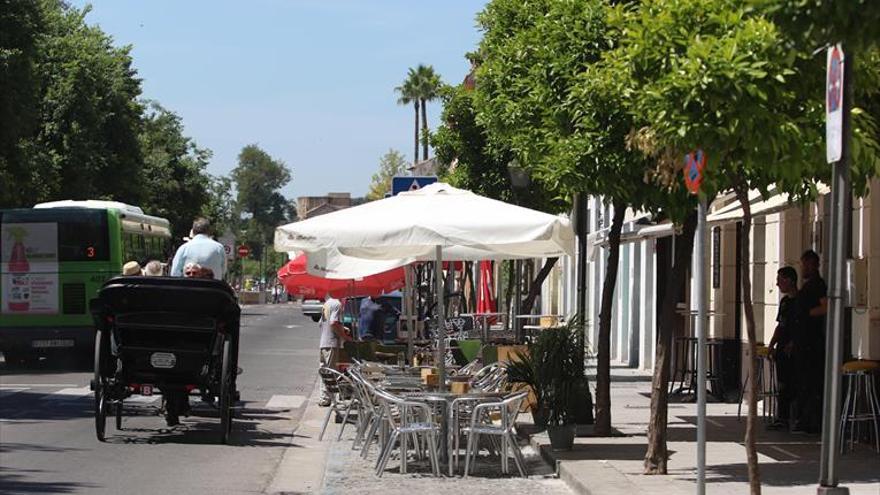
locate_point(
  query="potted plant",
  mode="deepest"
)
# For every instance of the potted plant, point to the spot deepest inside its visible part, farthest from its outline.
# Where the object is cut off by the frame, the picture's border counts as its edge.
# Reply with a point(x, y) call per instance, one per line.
point(552, 370)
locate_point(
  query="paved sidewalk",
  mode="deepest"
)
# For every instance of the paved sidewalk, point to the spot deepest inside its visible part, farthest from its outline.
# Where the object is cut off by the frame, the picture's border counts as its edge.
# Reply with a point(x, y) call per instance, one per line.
point(348, 473)
point(609, 466)
point(332, 467)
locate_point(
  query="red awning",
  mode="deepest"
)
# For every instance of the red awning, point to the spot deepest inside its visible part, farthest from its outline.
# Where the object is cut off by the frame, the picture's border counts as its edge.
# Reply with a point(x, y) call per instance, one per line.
point(297, 281)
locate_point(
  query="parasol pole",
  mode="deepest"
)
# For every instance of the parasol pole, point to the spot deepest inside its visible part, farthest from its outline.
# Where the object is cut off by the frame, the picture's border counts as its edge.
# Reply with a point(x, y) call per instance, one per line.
point(441, 316)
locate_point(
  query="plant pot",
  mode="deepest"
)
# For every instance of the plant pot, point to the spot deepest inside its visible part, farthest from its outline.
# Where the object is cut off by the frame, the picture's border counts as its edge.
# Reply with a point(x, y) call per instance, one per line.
point(561, 436)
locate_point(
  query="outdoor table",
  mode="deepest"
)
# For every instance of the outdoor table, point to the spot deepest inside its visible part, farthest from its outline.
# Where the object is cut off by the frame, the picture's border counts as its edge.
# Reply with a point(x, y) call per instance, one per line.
point(444, 400)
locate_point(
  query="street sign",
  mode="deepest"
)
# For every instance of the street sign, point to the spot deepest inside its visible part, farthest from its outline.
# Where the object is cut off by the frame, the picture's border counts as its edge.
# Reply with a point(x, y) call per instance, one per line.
point(228, 241)
point(243, 251)
point(694, 164)
point(834, 104)
point(410, 183)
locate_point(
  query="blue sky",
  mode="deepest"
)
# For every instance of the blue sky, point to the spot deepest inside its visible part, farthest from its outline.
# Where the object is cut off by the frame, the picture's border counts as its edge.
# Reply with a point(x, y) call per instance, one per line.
point(310, 81)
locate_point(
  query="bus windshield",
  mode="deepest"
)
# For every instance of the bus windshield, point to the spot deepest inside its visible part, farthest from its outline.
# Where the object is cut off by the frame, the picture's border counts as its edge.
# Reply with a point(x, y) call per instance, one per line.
point(82, 234)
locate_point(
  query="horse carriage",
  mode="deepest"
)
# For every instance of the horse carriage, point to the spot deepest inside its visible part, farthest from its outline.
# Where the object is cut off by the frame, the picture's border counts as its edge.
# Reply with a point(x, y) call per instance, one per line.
point(171, 336)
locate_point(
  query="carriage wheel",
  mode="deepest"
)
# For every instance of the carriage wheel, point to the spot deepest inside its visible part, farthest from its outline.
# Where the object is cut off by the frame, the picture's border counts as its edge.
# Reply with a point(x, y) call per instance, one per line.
point(100, 392)
point(226, 399)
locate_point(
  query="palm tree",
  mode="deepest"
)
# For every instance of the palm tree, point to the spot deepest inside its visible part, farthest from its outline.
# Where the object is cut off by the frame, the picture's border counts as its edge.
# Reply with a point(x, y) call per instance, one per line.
point(408, 92)
point(428, 84)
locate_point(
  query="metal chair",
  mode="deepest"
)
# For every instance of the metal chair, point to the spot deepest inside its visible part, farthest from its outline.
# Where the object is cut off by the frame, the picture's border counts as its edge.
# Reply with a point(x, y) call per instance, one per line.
point(408, 420)
point(509, 409)
point(767, 390)
point(861, 404)
point(337, 385)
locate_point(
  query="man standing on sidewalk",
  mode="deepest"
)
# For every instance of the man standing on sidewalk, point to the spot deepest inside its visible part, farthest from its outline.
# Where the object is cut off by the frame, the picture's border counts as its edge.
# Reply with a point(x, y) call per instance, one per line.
point(813, 300)
point(332, 336)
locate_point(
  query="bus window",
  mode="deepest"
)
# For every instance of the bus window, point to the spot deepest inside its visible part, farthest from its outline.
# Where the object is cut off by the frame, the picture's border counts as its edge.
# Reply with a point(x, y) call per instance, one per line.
point(82, 234)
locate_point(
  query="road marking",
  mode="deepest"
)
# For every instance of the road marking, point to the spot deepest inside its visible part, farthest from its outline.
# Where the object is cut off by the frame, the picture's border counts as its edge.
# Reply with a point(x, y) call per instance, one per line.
point(69, 393)
point(292, 326)
point(786, 452)
point(6, 391)
point(716, 423)
point(285, 401)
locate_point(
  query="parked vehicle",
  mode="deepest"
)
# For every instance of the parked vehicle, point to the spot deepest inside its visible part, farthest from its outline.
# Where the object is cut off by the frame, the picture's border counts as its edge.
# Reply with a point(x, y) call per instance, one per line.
point(312, 308)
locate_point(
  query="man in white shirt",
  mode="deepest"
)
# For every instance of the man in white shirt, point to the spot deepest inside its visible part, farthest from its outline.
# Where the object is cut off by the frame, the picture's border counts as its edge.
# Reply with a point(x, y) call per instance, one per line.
point(332, 336)
point(202, 250)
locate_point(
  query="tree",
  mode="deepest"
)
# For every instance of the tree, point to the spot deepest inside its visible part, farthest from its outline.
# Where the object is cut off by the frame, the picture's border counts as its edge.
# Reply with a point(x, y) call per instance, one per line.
point(720, 76)
point(391, 164)
point(484, 168)
point(81, 115)
point(428, 85)
point(175, 183)
point(258, 179)
point(20, 26)
point(541, 87)
point(408, 92)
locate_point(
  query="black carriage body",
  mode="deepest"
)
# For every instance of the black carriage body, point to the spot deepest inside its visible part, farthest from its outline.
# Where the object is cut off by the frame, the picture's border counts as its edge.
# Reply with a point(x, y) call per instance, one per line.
point(168, 332)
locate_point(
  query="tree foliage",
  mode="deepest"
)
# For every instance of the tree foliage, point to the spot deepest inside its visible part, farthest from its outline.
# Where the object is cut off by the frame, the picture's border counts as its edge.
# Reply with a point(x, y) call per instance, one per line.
point(86, 119)
point(391, 164)
point(175, 183)
point(258, 179)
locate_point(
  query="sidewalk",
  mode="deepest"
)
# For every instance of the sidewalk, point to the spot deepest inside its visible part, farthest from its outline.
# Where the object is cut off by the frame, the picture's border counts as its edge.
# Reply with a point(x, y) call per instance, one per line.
point(789, 464)
point(332, 467)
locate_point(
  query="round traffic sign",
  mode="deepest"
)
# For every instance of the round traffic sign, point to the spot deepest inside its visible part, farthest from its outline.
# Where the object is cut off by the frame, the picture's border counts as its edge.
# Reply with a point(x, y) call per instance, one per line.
point(835, 82)
point(243, 251)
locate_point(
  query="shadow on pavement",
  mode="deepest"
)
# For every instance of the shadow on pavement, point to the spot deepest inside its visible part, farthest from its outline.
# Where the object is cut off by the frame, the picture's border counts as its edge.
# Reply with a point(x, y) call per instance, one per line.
point(16, 481)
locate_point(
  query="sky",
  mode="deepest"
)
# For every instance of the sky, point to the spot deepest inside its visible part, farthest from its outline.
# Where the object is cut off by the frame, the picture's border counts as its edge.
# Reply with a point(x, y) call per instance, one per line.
point(310, 81)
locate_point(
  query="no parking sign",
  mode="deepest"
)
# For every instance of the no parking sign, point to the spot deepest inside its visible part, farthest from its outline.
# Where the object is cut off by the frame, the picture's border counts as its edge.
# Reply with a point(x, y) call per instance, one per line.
point(834, 104)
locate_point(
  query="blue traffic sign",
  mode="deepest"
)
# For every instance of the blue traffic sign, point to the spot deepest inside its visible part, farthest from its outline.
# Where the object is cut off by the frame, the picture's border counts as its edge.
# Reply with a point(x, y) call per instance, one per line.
point(410, 183)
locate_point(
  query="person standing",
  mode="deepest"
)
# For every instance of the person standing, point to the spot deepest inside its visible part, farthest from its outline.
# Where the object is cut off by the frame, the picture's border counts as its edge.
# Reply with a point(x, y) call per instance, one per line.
point(782, 345)
point(810, 344)
point(332, 336)
point(202, 250)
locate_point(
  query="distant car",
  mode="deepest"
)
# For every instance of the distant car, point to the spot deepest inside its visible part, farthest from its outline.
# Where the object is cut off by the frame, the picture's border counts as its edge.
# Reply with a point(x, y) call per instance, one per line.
point(312, 308)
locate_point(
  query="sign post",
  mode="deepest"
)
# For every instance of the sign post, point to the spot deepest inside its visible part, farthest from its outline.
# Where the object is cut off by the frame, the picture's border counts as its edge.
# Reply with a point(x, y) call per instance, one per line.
point(838, 104)
point(695, 164)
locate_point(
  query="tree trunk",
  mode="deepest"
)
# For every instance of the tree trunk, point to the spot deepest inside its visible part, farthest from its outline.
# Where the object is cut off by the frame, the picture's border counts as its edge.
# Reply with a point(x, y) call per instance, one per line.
point(742, 193)
point(535, 288)
point(416, 133)
point(424, 130)
point(603, 356)
point(656, 456)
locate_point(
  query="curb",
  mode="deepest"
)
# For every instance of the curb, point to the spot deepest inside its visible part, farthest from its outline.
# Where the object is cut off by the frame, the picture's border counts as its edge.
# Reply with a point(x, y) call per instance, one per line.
point(302, 465)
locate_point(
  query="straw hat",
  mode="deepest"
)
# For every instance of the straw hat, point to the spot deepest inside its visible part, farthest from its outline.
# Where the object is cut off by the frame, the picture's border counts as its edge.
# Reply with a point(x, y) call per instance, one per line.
point(131, 268)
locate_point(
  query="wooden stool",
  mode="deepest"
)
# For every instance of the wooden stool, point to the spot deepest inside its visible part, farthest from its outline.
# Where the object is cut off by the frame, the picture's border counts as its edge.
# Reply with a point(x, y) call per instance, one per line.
point(861, 404)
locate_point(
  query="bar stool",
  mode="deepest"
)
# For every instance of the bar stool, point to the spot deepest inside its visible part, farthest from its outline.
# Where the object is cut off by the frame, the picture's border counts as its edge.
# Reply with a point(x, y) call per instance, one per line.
point(861, 403)
point(767, 391)
point(685, 364)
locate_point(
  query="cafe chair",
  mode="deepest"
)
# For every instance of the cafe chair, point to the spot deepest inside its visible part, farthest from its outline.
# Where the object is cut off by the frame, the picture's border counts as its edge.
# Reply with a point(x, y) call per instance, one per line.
point(342, 400)
point(408, 420)
point(509, 409)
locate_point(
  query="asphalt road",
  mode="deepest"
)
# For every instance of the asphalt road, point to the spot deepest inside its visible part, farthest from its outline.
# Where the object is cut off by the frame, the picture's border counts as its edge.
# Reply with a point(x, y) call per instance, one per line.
point(47, 433)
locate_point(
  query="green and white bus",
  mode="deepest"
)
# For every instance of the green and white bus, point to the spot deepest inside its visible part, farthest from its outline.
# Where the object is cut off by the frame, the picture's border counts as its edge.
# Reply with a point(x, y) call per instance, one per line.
point(53, 259)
